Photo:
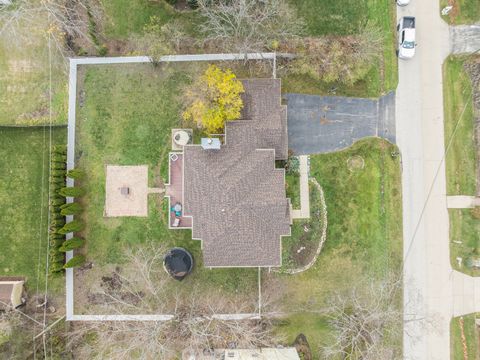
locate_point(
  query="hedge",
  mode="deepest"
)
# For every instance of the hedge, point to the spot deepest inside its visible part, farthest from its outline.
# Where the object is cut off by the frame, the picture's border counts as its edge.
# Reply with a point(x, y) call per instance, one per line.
point(73, 243)
point(56, 266)
point(76, 174)
point(75, 261)
point(71, 209)
point(71, 191)
point(72, 226)
point(58, 173)
point(57, 181)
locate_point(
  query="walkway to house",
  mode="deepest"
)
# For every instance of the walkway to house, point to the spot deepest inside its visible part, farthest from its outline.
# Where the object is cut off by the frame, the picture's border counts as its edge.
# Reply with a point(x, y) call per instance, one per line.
point(174, 190)
point(304, 211)
point(462, 202)
point(320, 124)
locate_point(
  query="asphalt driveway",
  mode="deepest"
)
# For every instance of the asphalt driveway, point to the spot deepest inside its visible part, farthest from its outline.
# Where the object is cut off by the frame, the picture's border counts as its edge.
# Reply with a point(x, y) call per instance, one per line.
point(320, 124)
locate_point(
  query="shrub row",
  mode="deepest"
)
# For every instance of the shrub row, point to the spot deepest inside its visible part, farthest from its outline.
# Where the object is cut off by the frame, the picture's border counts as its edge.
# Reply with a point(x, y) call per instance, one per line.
point(75, 225)
point(59, 209)
point(57, 221)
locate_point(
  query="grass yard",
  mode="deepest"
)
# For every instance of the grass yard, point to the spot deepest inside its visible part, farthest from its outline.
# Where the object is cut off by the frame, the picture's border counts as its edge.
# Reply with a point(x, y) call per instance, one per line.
point(344, 17)
point(470, 332)
point(364, 235)
point(463, 12)
point(464, 228)
point(23, 214)
point(125, 18)
point(126, 120)
point(24, 80)
point(461, 159)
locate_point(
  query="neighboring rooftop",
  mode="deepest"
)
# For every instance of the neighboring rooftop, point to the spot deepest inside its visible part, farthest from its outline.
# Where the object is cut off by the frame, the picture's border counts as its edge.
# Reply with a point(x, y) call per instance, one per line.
point(234, 194)
point(11, 290)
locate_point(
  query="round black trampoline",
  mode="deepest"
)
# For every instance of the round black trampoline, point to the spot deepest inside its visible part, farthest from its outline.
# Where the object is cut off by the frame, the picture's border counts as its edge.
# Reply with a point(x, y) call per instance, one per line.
point(178, 262)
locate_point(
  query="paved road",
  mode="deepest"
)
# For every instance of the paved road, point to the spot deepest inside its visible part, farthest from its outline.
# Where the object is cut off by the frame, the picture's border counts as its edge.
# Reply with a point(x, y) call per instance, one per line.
point(319, 124)
point(433, 292)
point(465, 38)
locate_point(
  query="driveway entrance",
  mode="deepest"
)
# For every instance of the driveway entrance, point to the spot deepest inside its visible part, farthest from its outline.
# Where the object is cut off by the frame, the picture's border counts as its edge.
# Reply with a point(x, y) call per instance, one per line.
point(320, 124)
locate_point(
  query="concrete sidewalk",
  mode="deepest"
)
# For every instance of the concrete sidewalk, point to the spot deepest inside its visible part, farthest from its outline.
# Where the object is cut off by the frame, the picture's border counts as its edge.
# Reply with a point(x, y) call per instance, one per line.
point(465, 38)
point(462, 202)
point(304, 212)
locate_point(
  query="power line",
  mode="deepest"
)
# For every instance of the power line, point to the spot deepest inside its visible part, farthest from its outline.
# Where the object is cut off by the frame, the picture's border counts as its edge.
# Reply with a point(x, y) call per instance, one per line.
point(437, 172)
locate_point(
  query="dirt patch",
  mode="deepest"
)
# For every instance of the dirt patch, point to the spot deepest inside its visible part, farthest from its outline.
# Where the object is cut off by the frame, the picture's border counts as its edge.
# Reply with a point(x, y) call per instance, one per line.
point(304, 250)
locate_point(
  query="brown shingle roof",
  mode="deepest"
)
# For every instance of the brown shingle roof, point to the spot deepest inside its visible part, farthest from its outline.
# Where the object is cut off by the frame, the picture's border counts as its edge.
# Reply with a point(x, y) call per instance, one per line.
point(264, 118)
point(235, 195)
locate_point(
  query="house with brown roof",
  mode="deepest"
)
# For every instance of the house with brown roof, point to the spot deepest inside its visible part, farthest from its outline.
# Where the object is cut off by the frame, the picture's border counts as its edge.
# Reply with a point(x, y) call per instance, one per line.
point(230, 193)
point(11, 292)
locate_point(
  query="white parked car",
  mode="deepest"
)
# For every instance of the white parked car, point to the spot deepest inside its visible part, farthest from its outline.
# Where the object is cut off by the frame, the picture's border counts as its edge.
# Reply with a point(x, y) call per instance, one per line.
point(406, 37)
point(403, 2)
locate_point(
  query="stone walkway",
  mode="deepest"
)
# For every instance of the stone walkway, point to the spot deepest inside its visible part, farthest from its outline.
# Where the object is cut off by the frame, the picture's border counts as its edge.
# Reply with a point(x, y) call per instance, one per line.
point(304, 212)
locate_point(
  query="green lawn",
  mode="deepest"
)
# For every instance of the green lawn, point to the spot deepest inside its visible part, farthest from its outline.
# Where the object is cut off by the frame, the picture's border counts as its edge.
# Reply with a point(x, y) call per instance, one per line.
point(461, 159)
point(124, 17)
point(126, 120)
point(471, 337)
point(364, 234)
point(24, 80)
point(344, 17)
point(23, 214)
point(463, 12)
point(464, 228)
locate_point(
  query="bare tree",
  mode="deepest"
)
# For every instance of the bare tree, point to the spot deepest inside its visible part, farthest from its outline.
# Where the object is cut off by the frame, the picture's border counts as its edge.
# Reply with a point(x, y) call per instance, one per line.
point(248, 25)
point(60, 19)
point(334, 59)
point(143, 287)
point(366, 321)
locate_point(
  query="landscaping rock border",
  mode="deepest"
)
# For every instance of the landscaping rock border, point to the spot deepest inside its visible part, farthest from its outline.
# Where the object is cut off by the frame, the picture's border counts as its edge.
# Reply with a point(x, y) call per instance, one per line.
point(323, 237)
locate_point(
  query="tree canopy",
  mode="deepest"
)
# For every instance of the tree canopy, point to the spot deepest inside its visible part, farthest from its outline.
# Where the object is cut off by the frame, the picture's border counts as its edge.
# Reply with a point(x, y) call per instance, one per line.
point(213, 99)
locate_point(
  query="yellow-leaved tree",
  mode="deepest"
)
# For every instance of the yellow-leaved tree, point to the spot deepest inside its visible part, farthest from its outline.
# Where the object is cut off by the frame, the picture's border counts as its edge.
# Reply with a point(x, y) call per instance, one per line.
point(213, 99)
